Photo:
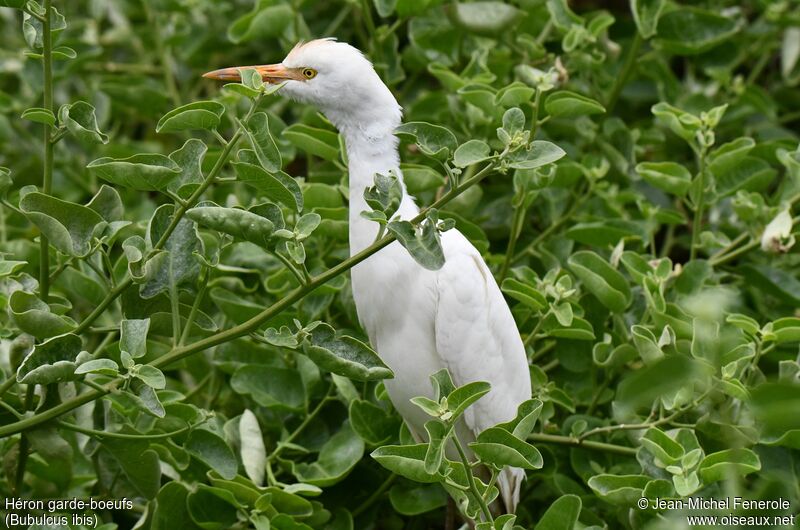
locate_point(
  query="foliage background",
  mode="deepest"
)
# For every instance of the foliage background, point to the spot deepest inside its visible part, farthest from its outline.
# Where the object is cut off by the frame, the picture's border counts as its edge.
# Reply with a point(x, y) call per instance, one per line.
point(661, 321)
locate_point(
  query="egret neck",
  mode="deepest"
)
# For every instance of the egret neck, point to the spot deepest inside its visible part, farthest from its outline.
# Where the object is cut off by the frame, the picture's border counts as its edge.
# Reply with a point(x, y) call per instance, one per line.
point(371, 148)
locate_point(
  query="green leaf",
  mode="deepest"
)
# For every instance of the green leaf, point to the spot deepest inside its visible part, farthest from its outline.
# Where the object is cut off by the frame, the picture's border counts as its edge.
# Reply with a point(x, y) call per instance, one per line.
point(141, 172)
point(68, 226)
point(344, 355)
point(605, 233)
point(257, 128)
point(668, 176)
point(372, 423)
point(139, 463)
point(566, 104)
point(646, 14)
point(64, 52)
point(265, 21)
point(385, 7)
point(769, 403)
point(39, 115)
point(485, 16)
point(525, 293)
point(682, 123)
point(500, 448)
point(773, 281)
point(306, 225)
point(472, 151)
point(336, 459)
point(749, 173)
point(193, 116)
point(538, 154)
point(171, 510)
point(253, 452)
point(462, 397)
point(81, 122)
point(276, 186)
point(419, 178)
point(666, 450)
point(562, 514)
point(784, 330)
point(234, 221)
point(269, 386)
point(98, 366)
point(432, 140)
point(423, 243)
point(176, 264)
point(317, 142)
point(211, 508)
point(659, 379)
point(54, 360)
point(415, 499)
point(622, 490)
point(608, 285)
point(151, 376)
point(17, 4)
point(563, 17)
point(646, 344)
point(729, 462)
point(514, 94)
point(133, 336)
point(385, 195)
point(522, 425)
point(33, 29)
point(213, 451)
point(190, 159)
point(405, 460)
point(35, 317)
point(727, 156)
point(689, 30)
point(438, 434)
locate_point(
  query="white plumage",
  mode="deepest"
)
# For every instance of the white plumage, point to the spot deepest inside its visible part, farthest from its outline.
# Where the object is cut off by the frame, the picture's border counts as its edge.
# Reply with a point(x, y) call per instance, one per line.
point(419, 321)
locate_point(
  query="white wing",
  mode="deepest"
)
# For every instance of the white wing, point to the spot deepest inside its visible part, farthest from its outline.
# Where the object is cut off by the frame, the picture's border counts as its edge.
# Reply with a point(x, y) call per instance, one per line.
point(478, 340)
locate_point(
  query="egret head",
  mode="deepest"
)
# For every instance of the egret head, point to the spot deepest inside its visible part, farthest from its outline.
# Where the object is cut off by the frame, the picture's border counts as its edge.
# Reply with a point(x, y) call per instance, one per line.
point(334, 77)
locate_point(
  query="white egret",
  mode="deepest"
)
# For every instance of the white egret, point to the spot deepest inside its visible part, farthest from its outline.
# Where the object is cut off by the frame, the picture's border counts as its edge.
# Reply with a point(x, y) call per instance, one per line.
point(419, 321)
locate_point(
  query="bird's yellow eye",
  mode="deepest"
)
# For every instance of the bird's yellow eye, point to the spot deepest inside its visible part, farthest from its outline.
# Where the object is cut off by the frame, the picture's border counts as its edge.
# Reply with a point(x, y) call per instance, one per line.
point(309, 73)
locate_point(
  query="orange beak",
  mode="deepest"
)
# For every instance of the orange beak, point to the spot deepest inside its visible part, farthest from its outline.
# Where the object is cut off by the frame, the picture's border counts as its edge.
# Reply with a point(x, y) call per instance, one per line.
point(270, 73)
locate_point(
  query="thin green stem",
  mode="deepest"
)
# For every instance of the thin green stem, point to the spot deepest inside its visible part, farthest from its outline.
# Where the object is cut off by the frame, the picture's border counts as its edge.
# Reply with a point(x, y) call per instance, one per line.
point(471, 480)
point(698, 210)
point(575, 442)
point(187, 329)
point(561, 221)
point(289, 265)
point(622, 77)
point(308, 419)
point(47, 176)
point(367, 13)
point(536, 328)
point(719, 260)
point(516, 228)
point(7, 384)
point(11, 409)
point(121, 435)
point(376, 495)
point(344, 12)
point(175, 306)
point(163, 54)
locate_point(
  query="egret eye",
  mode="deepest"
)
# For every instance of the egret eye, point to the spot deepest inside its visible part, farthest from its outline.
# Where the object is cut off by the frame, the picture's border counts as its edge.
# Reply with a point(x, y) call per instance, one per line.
point(309, 73)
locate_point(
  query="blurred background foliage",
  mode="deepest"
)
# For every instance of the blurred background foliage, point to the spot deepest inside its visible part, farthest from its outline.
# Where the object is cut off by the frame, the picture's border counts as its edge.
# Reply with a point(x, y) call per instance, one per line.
point(652, 270)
